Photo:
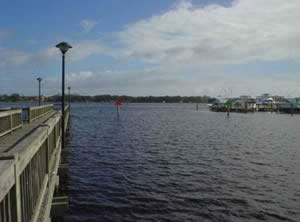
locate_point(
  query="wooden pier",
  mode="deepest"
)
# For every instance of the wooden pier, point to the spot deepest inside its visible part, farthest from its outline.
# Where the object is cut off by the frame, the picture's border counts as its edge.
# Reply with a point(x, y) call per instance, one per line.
point(30, 156)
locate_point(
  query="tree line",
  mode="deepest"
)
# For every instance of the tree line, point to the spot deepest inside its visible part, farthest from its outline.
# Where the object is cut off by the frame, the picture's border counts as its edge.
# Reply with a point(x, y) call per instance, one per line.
point(111, 98)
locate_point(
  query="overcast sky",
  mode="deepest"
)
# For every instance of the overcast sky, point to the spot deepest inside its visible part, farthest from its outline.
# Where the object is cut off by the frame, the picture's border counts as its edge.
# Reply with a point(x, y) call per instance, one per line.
point(152, 47)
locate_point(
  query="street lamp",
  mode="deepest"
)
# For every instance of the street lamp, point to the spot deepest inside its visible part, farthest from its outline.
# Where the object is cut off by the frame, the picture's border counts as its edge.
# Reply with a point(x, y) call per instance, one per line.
point(63, 47)
point(39, 79)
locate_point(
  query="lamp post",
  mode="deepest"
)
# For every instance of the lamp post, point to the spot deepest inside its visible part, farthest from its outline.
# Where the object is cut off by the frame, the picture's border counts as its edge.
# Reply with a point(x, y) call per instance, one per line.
point(39, 80)
point(63, 47)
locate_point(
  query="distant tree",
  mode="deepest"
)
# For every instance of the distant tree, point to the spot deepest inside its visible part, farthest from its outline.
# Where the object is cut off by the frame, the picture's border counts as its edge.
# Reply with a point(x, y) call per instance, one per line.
point(111, 98)
point(14, 97)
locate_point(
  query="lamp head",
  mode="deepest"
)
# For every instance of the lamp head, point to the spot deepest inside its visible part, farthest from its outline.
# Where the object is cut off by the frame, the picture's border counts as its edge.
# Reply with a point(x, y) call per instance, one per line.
point(63, 47)
point(39, 79)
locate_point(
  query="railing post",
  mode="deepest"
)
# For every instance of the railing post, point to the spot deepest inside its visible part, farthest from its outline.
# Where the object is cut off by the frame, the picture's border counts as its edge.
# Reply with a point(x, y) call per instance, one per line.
point(47, 151)
point(18, 192)
point(11, 122)
point(29, 115)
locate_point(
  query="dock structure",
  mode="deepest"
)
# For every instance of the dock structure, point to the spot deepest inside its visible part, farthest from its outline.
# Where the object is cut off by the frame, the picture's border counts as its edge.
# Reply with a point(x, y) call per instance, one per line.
point(30, 155)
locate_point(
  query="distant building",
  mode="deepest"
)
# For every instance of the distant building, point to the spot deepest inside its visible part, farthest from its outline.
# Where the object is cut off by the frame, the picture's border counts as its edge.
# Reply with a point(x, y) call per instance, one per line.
point(265, 102)
point(291, 103)
point(244, 102)
point(42, 98)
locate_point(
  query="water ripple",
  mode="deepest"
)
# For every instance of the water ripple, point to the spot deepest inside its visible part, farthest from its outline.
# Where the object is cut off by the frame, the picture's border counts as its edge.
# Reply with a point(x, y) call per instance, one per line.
point(171, 163)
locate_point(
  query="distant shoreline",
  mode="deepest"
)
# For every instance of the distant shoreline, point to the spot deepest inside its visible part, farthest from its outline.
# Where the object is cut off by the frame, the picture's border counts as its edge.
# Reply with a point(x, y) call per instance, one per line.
point(111, 102)
point(111, 98)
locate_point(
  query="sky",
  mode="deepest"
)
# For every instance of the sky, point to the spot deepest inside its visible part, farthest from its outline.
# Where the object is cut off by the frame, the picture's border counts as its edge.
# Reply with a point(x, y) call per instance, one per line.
point(152, 47)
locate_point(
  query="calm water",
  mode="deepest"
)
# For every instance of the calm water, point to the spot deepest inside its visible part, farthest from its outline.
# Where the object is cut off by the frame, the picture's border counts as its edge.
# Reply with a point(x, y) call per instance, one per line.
point(173, 163)
point(161, 162)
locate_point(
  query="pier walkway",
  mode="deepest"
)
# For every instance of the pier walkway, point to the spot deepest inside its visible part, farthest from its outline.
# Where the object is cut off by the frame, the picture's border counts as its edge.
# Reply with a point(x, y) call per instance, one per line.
point(30, 155)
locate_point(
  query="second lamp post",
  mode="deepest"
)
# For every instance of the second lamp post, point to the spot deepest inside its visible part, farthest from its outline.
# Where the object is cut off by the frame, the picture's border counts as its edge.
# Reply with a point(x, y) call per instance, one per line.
point(39, 79)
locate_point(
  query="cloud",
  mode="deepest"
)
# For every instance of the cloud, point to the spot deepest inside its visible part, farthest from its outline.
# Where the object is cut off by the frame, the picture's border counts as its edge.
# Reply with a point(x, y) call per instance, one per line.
point(87, 25)
point(167, 81)
point(80, 76)
point(84, 49)
point(243, 32)
point(12, 57)
point(80, 50)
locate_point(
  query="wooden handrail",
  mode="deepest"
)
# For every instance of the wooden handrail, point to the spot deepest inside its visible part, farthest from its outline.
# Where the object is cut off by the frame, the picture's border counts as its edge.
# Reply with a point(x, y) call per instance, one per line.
point(27, 170)
point(10, 120)
point(35, 112)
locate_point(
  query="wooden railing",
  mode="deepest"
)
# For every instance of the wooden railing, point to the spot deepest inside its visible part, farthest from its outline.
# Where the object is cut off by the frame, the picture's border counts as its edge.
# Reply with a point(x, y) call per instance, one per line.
point(28, 172)
point(35, 112)
point(10, 120)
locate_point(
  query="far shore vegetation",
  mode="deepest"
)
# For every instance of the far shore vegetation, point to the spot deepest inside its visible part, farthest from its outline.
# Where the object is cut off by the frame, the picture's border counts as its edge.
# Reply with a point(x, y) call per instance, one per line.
point(111, 98)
